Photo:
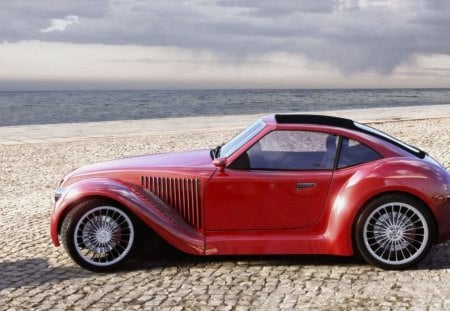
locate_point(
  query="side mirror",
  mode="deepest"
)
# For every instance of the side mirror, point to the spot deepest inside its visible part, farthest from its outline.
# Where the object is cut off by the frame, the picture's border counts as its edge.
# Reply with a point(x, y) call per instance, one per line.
point(220, 163)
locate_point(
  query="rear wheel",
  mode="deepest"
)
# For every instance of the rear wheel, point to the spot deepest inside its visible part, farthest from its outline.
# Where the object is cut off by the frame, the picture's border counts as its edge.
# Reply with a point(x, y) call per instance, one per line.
point(394, 231)
point(98, 235)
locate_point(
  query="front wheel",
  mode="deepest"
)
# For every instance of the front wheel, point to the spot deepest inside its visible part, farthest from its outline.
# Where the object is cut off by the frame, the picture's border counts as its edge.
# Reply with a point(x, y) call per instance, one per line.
point(394, 232)
point(98, 235)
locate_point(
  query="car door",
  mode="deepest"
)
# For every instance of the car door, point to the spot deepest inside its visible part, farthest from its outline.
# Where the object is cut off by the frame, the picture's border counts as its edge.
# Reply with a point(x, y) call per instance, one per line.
point(281, 182)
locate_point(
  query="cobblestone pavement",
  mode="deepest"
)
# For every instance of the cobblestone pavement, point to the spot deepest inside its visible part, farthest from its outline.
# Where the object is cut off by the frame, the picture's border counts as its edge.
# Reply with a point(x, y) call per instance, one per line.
point(35, 275)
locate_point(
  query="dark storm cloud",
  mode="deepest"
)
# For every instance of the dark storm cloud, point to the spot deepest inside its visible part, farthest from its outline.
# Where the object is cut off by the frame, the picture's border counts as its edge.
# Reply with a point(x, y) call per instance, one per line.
point(352, 35)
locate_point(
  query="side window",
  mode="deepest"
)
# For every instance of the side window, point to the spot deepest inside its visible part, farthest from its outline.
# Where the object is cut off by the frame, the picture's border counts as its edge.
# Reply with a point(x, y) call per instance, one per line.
point(293, 150)
point(354, 152)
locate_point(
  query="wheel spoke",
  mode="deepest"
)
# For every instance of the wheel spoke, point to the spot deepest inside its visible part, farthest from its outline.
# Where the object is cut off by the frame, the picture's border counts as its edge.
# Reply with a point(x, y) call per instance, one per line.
point(387, 219)
point(411, 224)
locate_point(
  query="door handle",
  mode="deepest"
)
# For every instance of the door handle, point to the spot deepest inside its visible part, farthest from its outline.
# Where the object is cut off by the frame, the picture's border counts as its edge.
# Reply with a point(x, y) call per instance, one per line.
point(305, 185)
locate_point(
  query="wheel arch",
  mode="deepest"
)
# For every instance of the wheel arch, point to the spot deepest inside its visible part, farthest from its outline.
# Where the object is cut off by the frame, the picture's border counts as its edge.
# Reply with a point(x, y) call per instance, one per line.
point(80, 200)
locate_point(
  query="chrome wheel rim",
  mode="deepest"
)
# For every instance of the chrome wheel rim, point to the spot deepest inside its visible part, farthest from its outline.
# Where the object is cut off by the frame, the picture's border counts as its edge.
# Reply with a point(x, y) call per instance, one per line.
point(104, 236)
point(396, 233)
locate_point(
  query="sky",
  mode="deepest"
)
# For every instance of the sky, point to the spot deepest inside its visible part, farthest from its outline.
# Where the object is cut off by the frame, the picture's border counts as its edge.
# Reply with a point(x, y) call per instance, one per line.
point(171, 44)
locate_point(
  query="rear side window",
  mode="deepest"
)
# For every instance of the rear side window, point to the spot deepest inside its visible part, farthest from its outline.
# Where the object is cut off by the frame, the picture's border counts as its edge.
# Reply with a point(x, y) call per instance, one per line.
point(353, 152)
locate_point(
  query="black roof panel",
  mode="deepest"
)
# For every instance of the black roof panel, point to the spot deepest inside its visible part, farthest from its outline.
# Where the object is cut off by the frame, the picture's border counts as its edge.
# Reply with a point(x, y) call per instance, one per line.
point(314, 119)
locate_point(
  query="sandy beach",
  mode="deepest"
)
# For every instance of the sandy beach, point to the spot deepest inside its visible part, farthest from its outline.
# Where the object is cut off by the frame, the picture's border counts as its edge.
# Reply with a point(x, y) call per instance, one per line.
point(34, 273)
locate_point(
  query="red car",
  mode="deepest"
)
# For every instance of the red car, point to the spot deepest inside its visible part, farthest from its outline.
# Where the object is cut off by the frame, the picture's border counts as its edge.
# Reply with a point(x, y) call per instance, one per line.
point(288, 184)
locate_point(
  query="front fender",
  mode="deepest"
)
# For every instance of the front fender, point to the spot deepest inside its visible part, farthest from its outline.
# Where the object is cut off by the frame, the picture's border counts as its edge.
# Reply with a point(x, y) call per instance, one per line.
point(164, 220)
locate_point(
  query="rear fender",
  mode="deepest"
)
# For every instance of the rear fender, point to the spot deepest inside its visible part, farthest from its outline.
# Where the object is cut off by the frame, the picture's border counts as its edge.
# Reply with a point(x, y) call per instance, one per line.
point(355, 187)
point(164, 220)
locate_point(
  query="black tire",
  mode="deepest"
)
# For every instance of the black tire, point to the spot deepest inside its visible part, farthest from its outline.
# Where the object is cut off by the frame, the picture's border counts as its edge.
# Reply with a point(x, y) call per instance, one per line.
point(394, 231)
point(99, 235)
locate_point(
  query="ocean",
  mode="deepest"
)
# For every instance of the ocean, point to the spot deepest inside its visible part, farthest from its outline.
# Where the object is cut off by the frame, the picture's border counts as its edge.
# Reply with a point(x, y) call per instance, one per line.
point(44, 107)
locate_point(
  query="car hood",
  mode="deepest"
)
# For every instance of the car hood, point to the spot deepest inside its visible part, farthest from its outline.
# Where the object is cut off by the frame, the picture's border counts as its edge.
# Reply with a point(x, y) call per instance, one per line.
point(188, 160)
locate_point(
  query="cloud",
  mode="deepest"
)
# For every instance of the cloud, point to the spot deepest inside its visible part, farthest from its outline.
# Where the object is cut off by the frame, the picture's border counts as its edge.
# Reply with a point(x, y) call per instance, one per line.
point(354, 36)
point(61, 24)
point(273, 8)
point(64, 66)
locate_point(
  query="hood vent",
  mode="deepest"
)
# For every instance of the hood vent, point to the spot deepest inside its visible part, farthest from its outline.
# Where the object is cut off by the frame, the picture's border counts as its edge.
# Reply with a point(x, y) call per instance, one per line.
point(182, 194)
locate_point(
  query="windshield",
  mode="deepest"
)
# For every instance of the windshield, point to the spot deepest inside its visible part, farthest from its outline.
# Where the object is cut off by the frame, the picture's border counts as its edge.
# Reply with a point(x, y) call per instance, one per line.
point(243, 137)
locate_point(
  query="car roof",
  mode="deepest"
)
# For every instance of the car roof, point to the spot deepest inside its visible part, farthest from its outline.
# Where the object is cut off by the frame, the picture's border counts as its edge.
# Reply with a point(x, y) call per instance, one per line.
point(346, 124)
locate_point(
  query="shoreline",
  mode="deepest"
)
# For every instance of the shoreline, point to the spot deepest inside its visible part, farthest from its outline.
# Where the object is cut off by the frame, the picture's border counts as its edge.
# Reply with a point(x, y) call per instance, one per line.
point(64, 132)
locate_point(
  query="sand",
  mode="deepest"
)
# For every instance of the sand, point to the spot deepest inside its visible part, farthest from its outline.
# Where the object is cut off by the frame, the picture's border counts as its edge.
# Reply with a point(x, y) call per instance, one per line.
point(67, 132)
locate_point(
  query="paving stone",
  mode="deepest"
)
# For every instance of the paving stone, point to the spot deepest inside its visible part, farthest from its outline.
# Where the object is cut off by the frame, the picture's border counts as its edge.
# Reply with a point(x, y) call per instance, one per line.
point(35, 275)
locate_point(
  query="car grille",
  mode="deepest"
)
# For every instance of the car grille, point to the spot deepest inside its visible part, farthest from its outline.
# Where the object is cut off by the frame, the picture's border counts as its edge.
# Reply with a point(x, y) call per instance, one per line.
point(182, 194)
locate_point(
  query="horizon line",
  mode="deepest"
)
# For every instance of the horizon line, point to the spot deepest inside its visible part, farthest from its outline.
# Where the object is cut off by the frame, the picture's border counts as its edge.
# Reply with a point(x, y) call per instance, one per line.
point(222, 89)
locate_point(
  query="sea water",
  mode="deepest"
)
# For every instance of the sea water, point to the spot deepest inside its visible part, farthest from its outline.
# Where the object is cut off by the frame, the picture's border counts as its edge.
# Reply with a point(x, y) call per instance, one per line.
point(43, 107)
